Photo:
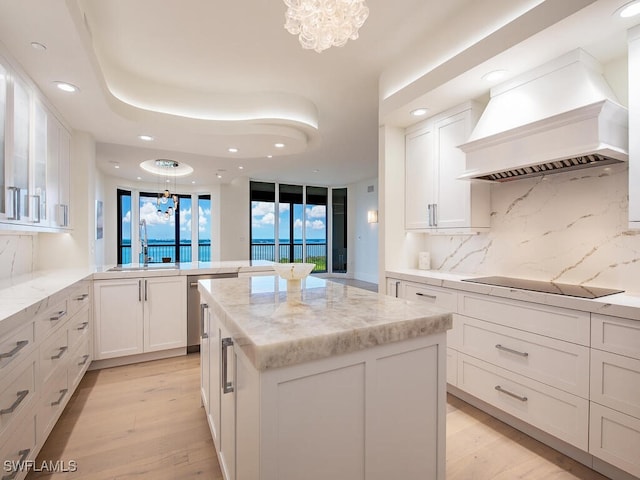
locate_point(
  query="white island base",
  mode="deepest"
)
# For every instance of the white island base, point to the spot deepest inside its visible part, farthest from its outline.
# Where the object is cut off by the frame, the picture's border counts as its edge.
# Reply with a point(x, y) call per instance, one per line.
point(376, 414)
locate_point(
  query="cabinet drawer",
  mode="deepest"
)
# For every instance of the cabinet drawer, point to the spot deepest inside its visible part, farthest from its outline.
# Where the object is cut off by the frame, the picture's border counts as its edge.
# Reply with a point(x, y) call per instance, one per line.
point(559, 364)
point(18, 390)
point(615, 438)
point(558, 413)
point(16, 345)
point(78, 328)
point(615, 382)
point(53, 354)
point(50, 319)
point(561, 323)
point(452, 366)
point(442, 297)
point(52, 403)
point(79, 362)
point(79, 298)
point(19, 447)
point(618, 335)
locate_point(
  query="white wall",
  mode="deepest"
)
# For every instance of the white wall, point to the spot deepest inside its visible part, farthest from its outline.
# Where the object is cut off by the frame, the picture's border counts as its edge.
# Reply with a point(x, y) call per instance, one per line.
point(365, 245)
point(234, 220)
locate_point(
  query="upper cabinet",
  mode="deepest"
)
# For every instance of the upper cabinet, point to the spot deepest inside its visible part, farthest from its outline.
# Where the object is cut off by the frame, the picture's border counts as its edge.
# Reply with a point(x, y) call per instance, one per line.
point(34, 159)
point(634, 126)
point(435, 200)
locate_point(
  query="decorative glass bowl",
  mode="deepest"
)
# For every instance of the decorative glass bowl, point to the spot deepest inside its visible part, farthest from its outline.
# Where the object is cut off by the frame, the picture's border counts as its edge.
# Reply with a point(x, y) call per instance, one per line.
point(293, 273)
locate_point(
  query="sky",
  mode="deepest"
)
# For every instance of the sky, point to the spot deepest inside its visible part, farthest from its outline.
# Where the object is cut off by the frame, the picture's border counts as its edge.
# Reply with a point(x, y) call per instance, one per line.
point(159, 227)
point(263, 221)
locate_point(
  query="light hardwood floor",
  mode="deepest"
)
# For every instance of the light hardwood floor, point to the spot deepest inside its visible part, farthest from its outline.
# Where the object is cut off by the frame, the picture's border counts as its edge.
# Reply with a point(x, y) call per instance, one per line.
point(145, 421)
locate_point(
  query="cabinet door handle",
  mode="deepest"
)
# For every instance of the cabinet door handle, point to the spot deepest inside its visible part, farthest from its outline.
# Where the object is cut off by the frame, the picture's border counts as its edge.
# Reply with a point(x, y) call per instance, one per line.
point(19, 464)
point(21, 396)
point(514, 395)
point(83, 325)
point(63, 392)
point(85, 358)
point(15, 194)
point(429, 215)
point(19, 346)
point(432, 297)
point(139, 290)
point(80, 298)
point(397, 289)
point(60, 353)
point(145, 290)
point(435, 214)
point(227, 386)
point(203, 306)
point(58, 315)
point(510, 350)
point(38, 208)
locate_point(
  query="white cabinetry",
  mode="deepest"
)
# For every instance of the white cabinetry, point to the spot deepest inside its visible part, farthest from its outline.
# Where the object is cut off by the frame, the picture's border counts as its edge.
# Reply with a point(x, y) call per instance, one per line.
point(41, 363)
point(139, 315)
point(615, 392)
point(338, 417)
point(434, 197)
point(34, 162)
point(634, 126)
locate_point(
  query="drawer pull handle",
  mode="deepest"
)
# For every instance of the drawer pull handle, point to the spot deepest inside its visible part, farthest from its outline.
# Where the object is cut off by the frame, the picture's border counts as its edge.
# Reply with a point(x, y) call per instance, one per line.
point(19, 464)
point(85, 358)
point(63, 392)
point(515, 352)
point(227, 386)
point(83, 325)
point(60, 353)
point(432, 297)
point(21, 396)
point(19, 346)
point(81, 297)
point(58, 315)
point(516, 396)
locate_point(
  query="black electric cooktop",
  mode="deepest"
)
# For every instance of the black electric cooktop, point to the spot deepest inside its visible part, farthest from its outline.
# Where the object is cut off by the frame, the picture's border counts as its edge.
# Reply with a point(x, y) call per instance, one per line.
point(582, 291)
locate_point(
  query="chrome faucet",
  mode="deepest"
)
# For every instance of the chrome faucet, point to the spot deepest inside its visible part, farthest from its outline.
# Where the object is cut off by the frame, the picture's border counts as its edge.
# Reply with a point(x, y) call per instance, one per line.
point(144, 243)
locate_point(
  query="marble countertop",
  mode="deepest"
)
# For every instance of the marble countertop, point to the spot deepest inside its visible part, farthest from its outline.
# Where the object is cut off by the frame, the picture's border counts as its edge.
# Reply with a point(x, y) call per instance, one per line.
point(625, 305)
point(21, 295)
point(277, 329)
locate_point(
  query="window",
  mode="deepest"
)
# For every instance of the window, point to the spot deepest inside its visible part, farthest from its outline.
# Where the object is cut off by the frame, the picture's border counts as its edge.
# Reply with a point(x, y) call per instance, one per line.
point(204, 228)
point(124, 226)
point(300, 232)
point(339, 230)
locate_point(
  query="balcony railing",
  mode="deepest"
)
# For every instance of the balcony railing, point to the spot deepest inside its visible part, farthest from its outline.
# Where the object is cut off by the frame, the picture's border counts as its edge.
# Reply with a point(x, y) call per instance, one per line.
point(158, 252)
point(315, 253)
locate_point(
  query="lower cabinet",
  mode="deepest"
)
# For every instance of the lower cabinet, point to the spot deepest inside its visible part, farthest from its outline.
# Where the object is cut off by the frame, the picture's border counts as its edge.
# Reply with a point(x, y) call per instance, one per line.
point(139, 315)
point(339, 417)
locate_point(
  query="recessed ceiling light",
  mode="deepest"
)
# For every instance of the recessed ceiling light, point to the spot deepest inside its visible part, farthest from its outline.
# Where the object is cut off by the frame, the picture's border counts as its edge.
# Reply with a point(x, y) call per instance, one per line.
point(219, 176)
point(145, 138)
point(233, 150)
point(419, 112)
point(494, 75)
point(66, 87)
point(138, 178)
point(269, 156)
point(38, 46)
point(278, 145)
point(240, 167)
point(630, 9)
point(193, 182)
point(316, 170)
point(116, 166)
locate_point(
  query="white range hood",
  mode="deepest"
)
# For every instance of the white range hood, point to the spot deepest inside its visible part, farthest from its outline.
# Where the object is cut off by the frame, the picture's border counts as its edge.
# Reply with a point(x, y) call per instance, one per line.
point(558, 117)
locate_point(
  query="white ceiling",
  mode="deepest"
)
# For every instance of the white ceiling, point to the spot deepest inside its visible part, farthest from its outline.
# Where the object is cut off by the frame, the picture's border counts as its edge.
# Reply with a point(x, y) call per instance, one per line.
point(205, 75)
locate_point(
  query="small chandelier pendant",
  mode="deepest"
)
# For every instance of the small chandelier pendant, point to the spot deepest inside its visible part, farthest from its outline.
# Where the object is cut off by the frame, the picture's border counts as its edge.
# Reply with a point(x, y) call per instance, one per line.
point(321, 24)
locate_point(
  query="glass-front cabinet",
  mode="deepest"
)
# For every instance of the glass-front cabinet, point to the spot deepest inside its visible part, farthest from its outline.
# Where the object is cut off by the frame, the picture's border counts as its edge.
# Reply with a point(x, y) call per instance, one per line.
point(34, 158)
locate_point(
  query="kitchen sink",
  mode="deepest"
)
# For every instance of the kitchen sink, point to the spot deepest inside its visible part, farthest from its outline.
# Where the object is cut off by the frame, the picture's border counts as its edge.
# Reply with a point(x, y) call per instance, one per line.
point(138, 268)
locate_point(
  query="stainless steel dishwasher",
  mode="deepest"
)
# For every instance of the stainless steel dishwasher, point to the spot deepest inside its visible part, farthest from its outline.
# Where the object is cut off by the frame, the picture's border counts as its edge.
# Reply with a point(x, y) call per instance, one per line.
point(193, 307)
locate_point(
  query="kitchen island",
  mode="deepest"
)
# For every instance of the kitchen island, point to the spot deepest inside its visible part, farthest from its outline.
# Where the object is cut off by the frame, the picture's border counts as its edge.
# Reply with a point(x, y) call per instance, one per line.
point(327, 382)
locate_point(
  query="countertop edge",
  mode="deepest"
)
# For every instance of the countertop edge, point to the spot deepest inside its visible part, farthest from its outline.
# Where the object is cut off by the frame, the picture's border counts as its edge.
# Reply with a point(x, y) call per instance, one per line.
point(622, 305)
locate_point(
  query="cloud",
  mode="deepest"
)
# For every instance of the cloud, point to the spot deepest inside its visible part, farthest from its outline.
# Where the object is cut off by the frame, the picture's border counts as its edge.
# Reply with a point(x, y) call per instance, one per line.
point(262, 214)
point(149, 212)
point(315, 225)
point(203, 218)
point(317, 211)
point(127, 217)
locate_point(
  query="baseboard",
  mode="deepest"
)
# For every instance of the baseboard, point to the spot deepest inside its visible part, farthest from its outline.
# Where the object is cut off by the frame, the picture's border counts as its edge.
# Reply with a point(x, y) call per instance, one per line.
point(143, 357)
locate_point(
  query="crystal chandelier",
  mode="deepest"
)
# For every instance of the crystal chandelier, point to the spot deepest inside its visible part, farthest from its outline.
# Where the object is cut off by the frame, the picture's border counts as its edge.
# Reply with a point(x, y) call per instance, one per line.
point(321, 24)
point(167, 203)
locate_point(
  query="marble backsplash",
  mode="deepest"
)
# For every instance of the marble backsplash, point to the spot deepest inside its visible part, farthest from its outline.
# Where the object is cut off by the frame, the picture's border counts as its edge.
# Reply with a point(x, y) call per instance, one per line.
point(568, 228)
point(16, 254)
